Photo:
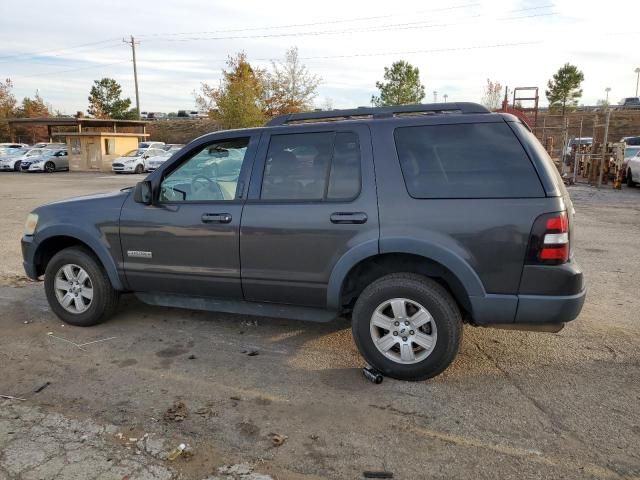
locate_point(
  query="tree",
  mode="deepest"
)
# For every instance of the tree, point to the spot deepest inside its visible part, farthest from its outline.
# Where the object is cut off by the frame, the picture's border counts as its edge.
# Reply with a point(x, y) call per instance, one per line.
point(239, 100)
point(564, 88)
point(33, 107)
point(105, 100)
point(7, 107)
point(290, 86)
point(492, 95)
point(401, 85)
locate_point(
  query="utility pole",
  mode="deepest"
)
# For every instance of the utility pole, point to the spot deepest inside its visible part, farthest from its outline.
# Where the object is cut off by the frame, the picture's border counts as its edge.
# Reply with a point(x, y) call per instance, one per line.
point(435, 96)
point(608, 89)
point(637, 70)
point(132, 44)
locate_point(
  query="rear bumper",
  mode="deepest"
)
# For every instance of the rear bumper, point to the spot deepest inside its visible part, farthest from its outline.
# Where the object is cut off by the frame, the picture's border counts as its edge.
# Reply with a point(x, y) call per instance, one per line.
point(545, 309)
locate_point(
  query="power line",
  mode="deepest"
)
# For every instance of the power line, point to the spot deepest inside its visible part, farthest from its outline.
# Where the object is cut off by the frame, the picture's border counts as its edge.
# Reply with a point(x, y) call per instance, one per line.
point(44, 52)
point(311, 24)
point(409, 52)
point(399, 26)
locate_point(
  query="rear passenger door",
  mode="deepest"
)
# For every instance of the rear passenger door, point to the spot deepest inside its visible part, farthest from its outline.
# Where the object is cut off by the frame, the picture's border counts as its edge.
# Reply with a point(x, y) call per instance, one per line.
point(312, 198)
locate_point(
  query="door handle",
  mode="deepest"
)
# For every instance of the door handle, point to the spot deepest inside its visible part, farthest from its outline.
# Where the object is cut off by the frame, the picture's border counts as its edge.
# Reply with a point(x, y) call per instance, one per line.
point(216, 218)
point(348, 217)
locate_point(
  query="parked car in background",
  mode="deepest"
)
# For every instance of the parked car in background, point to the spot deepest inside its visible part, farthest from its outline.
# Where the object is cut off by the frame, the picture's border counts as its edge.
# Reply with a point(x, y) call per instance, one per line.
point(577, 141)
point(173, 147)
point(630, 141)
point(10, 146)
point(630, 102)
point(13, 158)
point(633, 168)
point(161, 145)
point(55, 145)
point(154, 162)
point(135, 160)
point(49, 161)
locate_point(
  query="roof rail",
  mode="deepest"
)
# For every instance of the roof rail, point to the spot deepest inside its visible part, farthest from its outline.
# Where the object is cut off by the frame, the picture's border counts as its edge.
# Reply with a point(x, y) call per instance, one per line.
point(379, 112)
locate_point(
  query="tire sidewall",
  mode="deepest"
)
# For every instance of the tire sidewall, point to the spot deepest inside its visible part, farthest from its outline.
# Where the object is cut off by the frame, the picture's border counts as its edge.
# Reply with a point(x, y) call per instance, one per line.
point(94, 314)
point(49, 170)
point(446, 319)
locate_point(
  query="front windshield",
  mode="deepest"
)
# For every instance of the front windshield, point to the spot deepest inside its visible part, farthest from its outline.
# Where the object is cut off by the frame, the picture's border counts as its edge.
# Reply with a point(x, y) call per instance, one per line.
point(134, 153)
point(631, 152)
point(15, 151)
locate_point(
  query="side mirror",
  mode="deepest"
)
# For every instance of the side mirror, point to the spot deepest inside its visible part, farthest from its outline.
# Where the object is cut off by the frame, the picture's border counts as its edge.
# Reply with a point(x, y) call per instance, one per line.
point(143, 193)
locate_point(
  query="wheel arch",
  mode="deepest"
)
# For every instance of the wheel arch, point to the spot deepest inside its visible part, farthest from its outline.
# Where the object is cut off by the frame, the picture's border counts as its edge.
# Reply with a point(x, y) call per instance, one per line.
point(54, 242)
point(361, 266)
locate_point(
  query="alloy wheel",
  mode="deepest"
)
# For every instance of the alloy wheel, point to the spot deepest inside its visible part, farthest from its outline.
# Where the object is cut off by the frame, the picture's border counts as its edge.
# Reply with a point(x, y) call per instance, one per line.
point(403, 331)
point(73, 288)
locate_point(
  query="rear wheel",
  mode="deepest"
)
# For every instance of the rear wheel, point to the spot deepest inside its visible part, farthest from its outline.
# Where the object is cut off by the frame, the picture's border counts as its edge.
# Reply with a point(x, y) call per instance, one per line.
point(407, 326)
point(630, 181)
point(78, 289)
point(49, 167)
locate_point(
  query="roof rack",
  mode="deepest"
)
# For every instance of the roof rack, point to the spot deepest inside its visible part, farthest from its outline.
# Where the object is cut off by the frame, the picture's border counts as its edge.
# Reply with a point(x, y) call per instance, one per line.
point(379, 112)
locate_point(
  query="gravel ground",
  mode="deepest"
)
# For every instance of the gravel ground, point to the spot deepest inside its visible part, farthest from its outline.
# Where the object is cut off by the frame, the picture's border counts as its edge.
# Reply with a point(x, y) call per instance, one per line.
point(514, 405)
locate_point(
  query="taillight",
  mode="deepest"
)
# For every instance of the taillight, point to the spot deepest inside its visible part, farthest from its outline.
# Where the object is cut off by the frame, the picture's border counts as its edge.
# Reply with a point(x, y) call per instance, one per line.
point(549, 242)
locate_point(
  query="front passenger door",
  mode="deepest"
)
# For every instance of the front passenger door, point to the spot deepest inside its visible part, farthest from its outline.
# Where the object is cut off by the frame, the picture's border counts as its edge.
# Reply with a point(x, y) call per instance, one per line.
point(187, 242)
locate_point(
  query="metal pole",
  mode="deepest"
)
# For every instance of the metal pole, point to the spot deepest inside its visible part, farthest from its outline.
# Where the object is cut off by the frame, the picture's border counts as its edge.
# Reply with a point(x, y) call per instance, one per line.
point(578, 152)
point(132, 43)
point(604, 146)
point(637, 70)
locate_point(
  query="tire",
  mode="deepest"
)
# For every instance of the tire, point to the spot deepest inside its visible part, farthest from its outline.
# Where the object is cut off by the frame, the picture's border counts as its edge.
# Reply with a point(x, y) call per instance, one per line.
point(16, 166)
point(104, 299)
point(444, 328)
point(49, 167)
point(630, 181)
point(139, 169)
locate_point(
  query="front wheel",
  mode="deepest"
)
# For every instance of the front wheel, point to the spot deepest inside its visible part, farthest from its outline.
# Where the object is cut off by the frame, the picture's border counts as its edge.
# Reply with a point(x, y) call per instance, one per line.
point(407, 326)
point(139, 169)
point(78, 289)
point(16, 167)
point(630, 181)
point(49, 167)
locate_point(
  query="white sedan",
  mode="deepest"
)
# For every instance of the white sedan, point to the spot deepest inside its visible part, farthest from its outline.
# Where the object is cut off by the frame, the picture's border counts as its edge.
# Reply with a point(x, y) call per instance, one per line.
point(633, 170)
point(135, 160)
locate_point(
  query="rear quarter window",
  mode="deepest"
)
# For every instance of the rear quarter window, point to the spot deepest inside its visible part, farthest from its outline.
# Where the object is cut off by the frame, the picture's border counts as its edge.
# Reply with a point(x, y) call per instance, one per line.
point(483, 160)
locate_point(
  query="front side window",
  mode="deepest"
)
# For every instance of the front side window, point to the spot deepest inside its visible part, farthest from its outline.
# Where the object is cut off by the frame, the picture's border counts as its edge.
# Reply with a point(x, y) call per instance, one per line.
point(312, 167)
point(210, 174)
point(482, 160)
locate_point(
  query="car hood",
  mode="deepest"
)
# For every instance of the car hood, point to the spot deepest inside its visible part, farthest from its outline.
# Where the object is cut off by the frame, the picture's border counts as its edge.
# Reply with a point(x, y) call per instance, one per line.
point(108, 199)
point(124, 159)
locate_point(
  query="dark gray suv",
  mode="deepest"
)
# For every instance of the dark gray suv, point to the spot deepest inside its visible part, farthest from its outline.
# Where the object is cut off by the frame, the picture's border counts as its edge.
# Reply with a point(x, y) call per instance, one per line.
point(409, 221)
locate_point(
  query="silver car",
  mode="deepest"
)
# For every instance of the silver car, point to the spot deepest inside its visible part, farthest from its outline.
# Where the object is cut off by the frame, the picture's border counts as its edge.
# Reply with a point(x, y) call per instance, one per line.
point(13, 158)
point(50, 161)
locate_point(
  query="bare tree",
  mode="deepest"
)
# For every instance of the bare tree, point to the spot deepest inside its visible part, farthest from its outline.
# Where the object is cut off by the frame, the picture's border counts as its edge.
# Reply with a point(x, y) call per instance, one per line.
point(291, 87)
point(492, 95)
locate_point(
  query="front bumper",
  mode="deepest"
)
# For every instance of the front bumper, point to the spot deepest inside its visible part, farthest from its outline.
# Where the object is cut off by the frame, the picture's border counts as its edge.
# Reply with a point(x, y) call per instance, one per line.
point(126, 168)
point(28, 256)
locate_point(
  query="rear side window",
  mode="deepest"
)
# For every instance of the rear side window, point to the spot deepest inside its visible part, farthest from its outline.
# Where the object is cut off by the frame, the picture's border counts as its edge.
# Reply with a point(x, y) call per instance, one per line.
point(312, 167)
point(482, 160)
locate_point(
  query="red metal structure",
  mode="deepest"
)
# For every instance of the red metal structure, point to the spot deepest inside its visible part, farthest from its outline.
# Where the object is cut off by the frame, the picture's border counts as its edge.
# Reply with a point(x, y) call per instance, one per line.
point(529, 115)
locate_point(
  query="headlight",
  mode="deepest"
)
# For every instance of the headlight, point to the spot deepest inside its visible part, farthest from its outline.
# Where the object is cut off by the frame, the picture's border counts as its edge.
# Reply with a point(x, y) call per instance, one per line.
point(31, 224)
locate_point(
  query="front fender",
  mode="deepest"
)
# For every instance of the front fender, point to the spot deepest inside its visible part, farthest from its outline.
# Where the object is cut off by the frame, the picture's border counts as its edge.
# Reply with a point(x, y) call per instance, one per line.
point(93, 238)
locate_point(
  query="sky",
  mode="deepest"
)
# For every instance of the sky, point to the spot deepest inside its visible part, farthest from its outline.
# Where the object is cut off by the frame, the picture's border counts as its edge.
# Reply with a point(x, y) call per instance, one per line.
point(59, 48)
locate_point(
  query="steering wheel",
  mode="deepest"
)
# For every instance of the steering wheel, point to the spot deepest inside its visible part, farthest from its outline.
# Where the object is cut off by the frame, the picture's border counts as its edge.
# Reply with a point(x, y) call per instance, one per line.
point(210, 187)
